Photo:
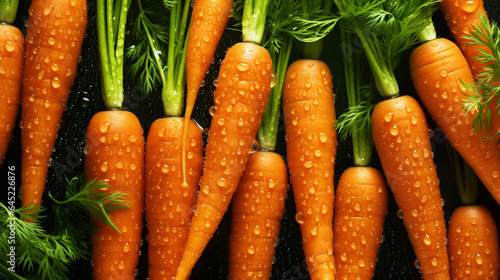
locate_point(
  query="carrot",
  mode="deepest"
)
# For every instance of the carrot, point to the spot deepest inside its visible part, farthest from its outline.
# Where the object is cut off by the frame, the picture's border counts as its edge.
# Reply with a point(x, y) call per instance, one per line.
point(438, 70)
point(400, 135)
point(360, 208)
point(114, 153)
point(241, 95)
point(169, 203)
point(258, 205)
point(54, 38)
point(464, 19)
point(309, 115)
point(208, 20)
point(473, 244)
point(11, 74)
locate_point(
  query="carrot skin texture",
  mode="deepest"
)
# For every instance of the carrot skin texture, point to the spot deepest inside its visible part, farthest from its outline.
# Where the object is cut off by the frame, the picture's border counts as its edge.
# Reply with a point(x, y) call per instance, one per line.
point(461, 20)
point(309, 115)
point(115, 153)
point(209, 19)
point(243, 88)
point(444, 103)
point(360, 209)
point(400, 135)
point(257, 208)
point(168, 203)
point(54, 38)
point(11, 77)
point(473, 244)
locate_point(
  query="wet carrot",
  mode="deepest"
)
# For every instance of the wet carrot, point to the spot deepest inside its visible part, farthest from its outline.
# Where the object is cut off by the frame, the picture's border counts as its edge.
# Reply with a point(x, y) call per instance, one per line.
point(11, 75)
point(241, 96)
point(473, 244)
point(54, 38)
point(258, 205)
point(169, 203)
point(309, 115)
point(360, 209)
point(400, 135)
point(115, 153)
point(462, 17)
point(438, 69)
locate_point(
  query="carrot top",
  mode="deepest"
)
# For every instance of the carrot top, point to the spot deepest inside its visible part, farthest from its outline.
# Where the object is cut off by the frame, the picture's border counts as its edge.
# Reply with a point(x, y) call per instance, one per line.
point(8, 10)
point(386, 29)
point(153, 62)
point(487, 87)
point(111, 37)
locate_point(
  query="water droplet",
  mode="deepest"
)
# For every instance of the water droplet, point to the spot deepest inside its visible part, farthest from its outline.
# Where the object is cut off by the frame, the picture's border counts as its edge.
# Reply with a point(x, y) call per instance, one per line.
point(314, 231)
point(357, 207)
point(104, 167)
point(211, 111)
point(215, 82)
point(399, 213)
point(388, 117)
point(271, 184)
point(308, 164)
point(322, 137)
point(394, 130)
point(361, 263)
point(51, 41)
point(256, 230)
point(56, 83)
point(255, 146)
point(126, 248)
point(274, 80)
point(203, 83)
point(299, 217)
point(48, 10)
point(434, 262)
point(479, 259)
point(251, 249)
point(242, 66)
point(427, 239)
point(495, 174)
point(416, 263)
point(469, 6)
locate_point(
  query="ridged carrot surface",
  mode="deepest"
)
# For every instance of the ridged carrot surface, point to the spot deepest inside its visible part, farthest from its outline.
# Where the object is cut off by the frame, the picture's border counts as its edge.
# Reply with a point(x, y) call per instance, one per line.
point(115, 153)
point(462, 16)
point(473, 244)
point(257, 207)
point(401, 137)
point(360, 209)
point(311, 139)
point(169, 203)
point(56, 29)
point(438, 69)
point(243, 88)
point(11, 75)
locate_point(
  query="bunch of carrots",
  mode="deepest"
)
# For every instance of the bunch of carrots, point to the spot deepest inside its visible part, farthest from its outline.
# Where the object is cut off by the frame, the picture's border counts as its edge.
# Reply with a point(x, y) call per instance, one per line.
point(179, 189)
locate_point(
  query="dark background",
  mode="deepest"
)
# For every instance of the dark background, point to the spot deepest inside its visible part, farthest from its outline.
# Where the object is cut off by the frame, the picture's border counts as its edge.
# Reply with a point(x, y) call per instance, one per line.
point(395, 259)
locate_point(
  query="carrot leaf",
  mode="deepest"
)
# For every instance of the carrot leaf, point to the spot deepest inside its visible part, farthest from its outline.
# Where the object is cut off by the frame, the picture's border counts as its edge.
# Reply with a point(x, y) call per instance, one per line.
point(8, 11)
point(487, 86)
point(385, 29)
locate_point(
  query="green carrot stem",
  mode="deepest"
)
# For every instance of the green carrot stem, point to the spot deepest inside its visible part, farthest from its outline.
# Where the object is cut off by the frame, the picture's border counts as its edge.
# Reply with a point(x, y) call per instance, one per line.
point(465, 177)
point(268, 130)
point(8, 11)
point(254, 20)
point(428, 33)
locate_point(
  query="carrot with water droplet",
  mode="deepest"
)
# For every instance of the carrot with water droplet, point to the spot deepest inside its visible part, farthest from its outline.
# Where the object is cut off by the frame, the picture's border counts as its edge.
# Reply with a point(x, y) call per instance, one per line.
point(477, 39)
point(473, 243)
point(11, 72)
point(114, 153)
point(243, 88)
point(439, 71)
point(311, 140)
point(401, 137)
point(54, 38)
point(169, 198)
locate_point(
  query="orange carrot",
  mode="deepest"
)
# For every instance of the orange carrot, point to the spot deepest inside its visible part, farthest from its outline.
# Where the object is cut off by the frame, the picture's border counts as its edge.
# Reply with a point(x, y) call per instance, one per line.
point(169, 203)
point(258, 205)
point(438, 70)
point(309, 114)
point(400, 135)
point(473, 244)
point(241, 96)
point(360, 208)
point(11, 74)
point(208, 20)
point(462, 17)
point(54, 39)
point(115, 153)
